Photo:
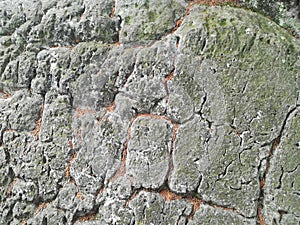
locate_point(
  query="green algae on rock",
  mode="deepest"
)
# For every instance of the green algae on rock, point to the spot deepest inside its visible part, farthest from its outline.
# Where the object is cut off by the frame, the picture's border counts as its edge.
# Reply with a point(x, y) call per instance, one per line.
point(136, 112)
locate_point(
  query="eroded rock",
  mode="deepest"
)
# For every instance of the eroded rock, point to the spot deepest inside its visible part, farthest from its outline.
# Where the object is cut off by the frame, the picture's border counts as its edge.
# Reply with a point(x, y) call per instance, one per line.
point(134, 112)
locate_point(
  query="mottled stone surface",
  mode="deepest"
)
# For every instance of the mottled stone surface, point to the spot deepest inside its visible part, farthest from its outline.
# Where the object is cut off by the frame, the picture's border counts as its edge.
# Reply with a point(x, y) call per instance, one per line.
point(282, 183)
point(146, 112)
point(285, 12)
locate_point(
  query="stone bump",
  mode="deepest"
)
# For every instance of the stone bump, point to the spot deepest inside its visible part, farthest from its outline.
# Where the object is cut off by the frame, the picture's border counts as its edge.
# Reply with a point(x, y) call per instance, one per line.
point(146, 112)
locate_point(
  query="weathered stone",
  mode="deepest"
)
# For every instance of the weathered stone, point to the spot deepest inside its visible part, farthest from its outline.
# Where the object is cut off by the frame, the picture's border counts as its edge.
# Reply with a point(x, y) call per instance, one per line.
point(48, 215)
point(113, 202)
point(97, 23)
point(20, 72)
point(145, 85)
point(100, 152)
point(148, 151)
point(210, 215)
point(139, 112)
point(144, 21)
point(284, 12)
point(282, 183)
point(190, 156)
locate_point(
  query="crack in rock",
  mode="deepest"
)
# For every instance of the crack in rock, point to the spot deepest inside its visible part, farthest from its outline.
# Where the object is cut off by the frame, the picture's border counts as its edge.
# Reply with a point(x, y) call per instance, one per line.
point(269, 165)
point(134, 112)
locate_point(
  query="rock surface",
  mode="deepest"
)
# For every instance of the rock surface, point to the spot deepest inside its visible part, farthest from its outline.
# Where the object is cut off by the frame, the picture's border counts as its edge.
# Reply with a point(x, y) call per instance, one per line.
point(284, 12)
point(134, 112)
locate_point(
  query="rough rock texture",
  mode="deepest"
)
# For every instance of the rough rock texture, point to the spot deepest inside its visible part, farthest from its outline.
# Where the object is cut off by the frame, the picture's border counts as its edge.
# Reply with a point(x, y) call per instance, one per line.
point(285, 12)
point(134, 112)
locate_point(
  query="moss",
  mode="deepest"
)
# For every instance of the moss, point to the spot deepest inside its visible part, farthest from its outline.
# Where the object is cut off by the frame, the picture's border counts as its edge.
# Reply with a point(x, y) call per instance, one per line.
point(223, 22)
point(152, 15)
point(128, 20)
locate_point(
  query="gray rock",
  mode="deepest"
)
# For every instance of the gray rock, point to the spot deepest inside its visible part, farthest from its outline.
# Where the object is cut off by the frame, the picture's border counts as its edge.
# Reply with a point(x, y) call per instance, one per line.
point(20, 72)
point(146, 84)
point(100, 152)
point(48, 215)
point(140, 112)
point(25, 111)
point(210, 215)
point(113, 202)
point(191, 156)
point(282, 182)
point(148, 151)
point(284, 12)
point(98, 23)
point(144, 21)
point(146, 205)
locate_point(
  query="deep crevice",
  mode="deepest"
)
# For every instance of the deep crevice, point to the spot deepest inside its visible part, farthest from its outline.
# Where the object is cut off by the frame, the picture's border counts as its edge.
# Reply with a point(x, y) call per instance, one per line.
point(262, 178)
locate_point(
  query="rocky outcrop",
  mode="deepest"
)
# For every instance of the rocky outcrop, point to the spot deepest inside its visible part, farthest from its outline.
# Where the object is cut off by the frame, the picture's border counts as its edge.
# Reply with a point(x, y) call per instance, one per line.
point(134, 112)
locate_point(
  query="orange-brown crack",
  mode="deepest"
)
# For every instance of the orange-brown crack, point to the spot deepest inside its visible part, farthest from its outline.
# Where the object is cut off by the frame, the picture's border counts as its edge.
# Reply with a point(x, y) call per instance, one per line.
point(67, 170)
point(262, 181)
point(67, 46)
point(159, 117)
point(101, 118)
point(5, 94)
point(165, 83)
point(122, 169)
point(10, 187)
point(179, 21)
point(176, 127)
point(71, 144)
point(111, 107)
point(80, 196)
point(81, 112)
point(275, 146)
point(37, 128)
point(226, 208)
point(86, 218)
point(170, 76)
point(166, 194)
point(202, 2)
point(41, 207)
point(216, 2)
point(100, 191)
point(236, 132)
point(23, 222)
point(9, 130)
point(111, 15)
point(196, 205)
point(196, 202)
point(261, 219)
point(169, 196)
